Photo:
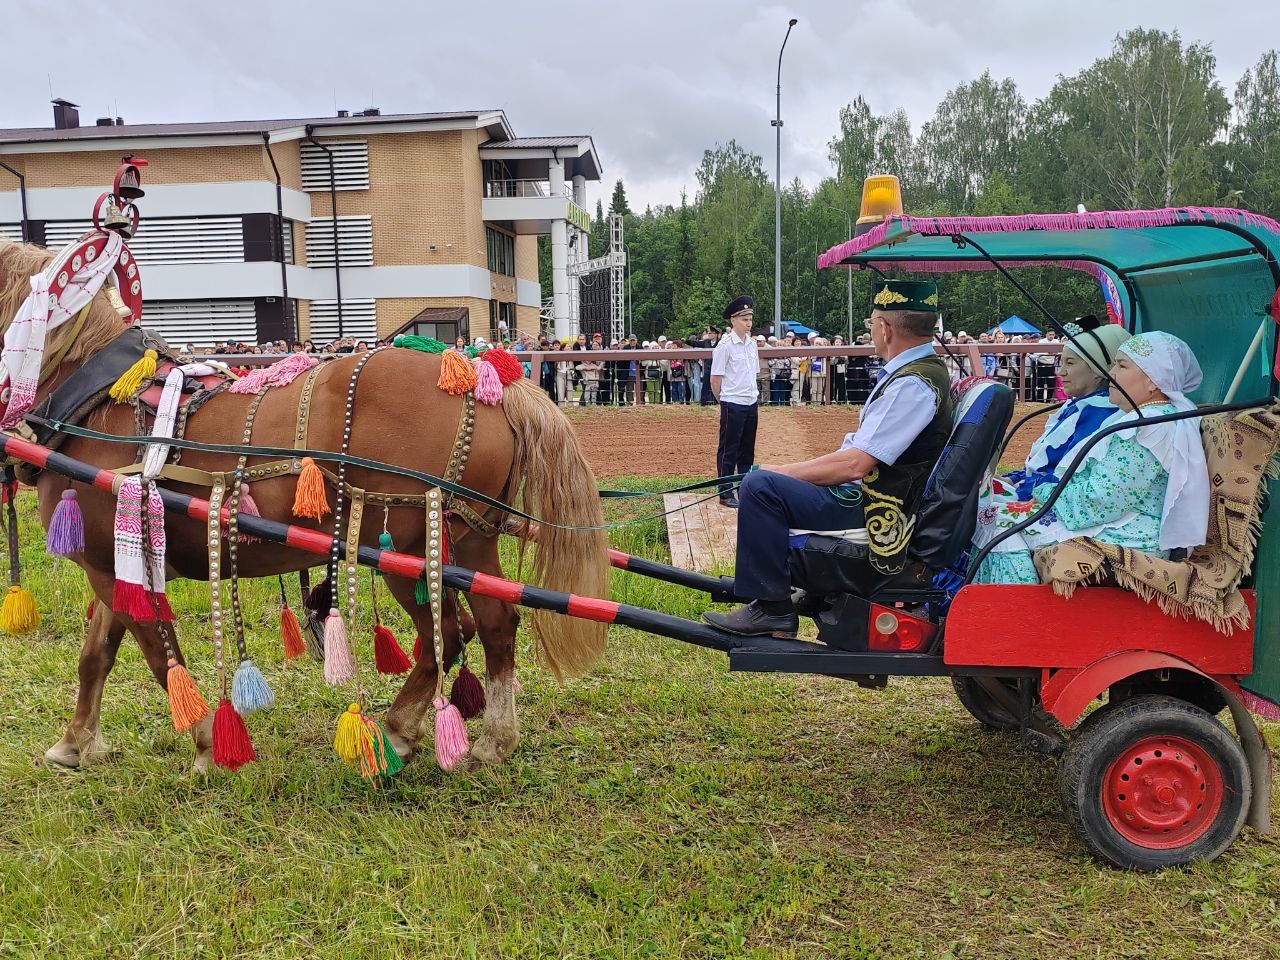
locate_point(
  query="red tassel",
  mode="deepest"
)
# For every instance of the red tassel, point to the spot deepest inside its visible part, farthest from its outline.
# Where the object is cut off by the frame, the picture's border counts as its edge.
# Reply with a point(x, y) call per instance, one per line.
point(291, 634)
point(232, 747)
point(467, 694)
point(417, 649)
point(508, 367)
point(387, 655)
point(88, 612)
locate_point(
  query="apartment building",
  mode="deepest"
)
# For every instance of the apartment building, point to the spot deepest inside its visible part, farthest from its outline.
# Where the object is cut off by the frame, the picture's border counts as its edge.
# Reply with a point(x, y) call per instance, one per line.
point(362, 225)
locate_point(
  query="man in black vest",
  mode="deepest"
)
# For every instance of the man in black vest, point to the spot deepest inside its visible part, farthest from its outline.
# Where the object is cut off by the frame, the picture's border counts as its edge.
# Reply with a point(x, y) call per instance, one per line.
point(866, 491)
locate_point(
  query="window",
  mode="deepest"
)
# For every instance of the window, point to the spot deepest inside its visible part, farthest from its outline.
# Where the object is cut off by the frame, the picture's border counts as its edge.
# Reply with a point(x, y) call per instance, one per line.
point(350, 166)
point(501, 314)
point(355, 241)
point(502, 252)
point(165, 241)
point(201, 322)
point(359, 320)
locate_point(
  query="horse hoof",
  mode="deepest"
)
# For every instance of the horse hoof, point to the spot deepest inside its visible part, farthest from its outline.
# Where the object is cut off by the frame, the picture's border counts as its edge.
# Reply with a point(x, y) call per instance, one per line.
point(202, 764)
point(64, 754)
point(486, 751)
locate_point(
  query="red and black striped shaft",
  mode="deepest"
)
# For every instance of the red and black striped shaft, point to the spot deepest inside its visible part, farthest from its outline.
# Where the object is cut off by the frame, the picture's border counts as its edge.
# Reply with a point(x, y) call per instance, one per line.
point(388, 561)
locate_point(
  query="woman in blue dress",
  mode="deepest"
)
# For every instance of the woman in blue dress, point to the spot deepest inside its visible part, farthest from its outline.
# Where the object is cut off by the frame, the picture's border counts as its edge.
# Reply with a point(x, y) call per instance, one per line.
point(1146, 487)
point(1087, 353)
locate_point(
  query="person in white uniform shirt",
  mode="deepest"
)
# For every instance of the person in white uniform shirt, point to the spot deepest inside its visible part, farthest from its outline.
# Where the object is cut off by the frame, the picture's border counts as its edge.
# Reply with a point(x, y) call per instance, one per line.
point(734, 368)
point(867, 490)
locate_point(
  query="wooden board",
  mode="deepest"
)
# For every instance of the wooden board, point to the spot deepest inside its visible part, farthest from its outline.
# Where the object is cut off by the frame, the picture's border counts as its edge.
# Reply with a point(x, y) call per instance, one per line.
point(704, 535)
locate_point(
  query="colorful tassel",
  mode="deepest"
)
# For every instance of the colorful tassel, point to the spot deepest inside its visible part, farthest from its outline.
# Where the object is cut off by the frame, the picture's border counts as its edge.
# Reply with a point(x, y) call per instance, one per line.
point(284, 372)
point(388, 656)
point(421, 594)
point(417, 649)
point(421, 344)
point(66, 529)
point(185, 703)
point(488, 384)
point(251, 383)
point(232, 747)
point(467, 694)
point(456, 375)
point(321, 596)
point(310, 499)
point(381, 759)
point(248, 505)
point(249, 689)
point(135, 601)
point(451, 735)
point(339, 667)
point(509, 369)
point(131, 380)
point(18, 613)
point(352, 737)
point(291, 634)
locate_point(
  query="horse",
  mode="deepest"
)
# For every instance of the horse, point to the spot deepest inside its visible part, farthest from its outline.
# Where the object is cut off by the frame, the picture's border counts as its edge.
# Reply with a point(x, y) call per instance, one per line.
point(523, 453)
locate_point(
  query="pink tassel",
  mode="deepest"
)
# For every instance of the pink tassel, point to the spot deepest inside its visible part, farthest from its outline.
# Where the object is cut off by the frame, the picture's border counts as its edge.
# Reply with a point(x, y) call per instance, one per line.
point(251, 383)
point(248, 508)
point(515, 684)
point(488, 384)
point(284, 372)
point(339, 667)
point(451, 735)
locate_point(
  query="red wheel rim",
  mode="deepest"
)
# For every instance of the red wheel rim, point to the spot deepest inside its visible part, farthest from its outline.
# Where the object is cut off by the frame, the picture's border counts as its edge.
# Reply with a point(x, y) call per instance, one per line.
point(1162, 792)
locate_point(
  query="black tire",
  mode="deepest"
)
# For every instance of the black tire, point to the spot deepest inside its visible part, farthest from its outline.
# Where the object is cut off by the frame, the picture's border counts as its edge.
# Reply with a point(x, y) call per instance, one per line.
point(983, 707)
point(1189, 806)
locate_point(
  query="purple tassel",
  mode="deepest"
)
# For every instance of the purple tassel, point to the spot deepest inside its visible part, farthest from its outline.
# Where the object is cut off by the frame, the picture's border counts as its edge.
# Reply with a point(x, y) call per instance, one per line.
point(66, 529)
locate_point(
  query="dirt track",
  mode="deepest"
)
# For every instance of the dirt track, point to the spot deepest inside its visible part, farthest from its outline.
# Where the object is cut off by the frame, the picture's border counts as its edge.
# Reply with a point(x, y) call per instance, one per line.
point(678, 440)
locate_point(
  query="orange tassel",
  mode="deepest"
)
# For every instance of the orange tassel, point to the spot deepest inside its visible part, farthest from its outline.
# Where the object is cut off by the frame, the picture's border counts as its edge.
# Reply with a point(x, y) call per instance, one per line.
point(291, 634)
point(310, 499)
point(185, 703)
point(457, 376)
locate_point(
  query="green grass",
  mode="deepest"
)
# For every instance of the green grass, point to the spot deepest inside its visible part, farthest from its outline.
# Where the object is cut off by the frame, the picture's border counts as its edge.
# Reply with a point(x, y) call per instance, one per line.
point(660, 807)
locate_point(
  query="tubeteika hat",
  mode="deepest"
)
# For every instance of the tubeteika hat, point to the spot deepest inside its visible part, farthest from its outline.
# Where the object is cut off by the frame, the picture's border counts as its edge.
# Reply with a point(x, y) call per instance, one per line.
point(919, 295)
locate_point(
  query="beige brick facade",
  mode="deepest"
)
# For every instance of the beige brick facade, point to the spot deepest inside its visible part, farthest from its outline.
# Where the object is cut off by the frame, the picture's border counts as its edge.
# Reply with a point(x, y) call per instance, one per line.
point(183, 165)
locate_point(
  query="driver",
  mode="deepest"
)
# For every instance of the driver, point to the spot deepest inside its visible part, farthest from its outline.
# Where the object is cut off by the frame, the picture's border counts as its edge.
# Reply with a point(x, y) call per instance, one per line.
point(867, 490)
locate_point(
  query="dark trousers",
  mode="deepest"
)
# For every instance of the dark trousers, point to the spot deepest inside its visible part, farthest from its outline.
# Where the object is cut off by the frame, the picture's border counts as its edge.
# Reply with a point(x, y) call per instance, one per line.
point(769, 505)
point(736, 451)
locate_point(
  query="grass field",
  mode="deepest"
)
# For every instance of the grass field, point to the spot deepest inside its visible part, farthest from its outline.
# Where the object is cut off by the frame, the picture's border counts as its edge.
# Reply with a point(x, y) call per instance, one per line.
point(660, 807)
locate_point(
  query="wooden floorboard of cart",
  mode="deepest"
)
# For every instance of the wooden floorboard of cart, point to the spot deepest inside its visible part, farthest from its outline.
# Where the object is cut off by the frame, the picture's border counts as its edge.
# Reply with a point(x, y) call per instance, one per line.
point(703, 536)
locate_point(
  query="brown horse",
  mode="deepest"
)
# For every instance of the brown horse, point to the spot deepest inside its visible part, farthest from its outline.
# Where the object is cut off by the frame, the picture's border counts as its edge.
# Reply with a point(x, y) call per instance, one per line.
point(523, 451)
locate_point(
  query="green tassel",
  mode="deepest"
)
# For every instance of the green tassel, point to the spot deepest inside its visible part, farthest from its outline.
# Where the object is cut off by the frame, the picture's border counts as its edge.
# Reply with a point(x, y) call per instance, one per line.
point(388, 761)
point(420, 593)
point(384, 541)
point(423, 344)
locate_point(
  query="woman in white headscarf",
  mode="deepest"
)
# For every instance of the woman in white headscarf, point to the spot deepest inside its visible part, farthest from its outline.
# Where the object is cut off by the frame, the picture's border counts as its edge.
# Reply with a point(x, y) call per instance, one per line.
point(1145, 487)
point(1087, 354)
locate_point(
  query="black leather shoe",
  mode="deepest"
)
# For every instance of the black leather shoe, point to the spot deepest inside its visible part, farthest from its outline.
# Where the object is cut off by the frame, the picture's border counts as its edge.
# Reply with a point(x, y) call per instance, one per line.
point(752, 621)
point(731, 501)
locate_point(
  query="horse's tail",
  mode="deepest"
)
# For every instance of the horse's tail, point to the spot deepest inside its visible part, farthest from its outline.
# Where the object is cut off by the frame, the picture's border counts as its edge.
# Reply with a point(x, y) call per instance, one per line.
point(559, 487)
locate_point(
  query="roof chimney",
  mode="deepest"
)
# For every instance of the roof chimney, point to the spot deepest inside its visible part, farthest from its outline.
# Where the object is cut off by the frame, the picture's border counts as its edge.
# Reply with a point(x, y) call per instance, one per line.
point(343, 113)
point(104, 122)
point(372, 112)
point(65, 114)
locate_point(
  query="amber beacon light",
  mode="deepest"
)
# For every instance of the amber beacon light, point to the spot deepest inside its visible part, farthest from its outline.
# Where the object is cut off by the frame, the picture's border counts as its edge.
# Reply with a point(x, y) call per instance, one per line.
point(881, 199)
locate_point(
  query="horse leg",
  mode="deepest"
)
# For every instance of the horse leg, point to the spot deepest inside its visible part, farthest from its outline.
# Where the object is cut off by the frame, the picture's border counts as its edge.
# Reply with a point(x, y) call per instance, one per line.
point(82, 743)
point(496, 622)
point(410, 715)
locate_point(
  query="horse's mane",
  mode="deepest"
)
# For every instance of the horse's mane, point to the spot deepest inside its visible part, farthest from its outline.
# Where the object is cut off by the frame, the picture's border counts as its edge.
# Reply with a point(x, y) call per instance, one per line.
point(18, 263)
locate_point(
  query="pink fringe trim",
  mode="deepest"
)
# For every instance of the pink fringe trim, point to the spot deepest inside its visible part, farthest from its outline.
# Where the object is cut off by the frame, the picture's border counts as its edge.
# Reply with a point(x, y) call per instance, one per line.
point(488, 384)
point(279, 374)
point(1100, 220)
point(1261, 706)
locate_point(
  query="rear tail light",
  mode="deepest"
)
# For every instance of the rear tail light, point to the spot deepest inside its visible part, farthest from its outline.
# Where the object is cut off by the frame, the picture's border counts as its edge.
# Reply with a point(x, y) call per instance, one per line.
point(897, 630)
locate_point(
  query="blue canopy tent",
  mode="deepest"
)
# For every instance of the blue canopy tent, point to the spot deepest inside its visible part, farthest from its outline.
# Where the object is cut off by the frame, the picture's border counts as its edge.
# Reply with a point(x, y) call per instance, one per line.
point(798, 328)
point(1015, 326)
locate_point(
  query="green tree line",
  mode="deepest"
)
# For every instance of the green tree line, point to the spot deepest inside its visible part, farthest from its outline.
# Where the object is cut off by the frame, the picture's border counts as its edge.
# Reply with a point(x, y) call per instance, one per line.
point(1148, 125)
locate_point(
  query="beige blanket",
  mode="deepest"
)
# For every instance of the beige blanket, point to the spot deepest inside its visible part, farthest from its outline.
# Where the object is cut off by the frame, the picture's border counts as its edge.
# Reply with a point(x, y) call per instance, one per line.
point(1241, 454)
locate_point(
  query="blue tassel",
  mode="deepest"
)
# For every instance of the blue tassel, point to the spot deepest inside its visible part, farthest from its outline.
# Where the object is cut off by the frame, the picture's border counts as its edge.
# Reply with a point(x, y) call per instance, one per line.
point(249, 690)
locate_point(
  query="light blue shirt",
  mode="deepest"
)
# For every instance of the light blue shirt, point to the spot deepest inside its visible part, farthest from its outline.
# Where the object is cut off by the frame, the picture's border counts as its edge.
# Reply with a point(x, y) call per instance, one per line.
point(894, 416)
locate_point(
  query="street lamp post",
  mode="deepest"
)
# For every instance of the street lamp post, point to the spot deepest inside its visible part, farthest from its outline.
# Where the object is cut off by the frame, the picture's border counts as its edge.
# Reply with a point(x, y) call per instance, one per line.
point(777, 199)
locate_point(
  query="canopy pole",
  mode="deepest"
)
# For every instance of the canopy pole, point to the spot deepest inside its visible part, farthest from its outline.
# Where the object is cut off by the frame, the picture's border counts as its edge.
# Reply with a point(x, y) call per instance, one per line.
point(1252, 352)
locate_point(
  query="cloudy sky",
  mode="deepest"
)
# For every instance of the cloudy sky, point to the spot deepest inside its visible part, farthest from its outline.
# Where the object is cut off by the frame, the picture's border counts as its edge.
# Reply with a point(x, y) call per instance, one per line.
point(654, 82)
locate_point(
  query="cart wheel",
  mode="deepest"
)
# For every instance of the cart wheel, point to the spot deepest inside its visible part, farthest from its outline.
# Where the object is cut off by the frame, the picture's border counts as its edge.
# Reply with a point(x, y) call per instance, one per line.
point(983, 707)
point(1155, 782)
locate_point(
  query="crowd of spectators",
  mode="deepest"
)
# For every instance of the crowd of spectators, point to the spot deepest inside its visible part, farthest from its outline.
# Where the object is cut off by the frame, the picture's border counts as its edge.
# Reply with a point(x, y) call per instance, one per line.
point(784, 381)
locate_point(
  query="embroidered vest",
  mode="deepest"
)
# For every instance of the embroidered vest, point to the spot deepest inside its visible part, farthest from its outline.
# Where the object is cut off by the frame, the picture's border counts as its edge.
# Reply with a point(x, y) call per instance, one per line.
point(892, 491)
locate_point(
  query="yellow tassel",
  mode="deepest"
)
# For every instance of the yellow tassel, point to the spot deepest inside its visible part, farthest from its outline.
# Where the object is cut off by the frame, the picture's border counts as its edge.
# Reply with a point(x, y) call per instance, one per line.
point(131, 380)
point(309, 499)
point(457, 376)
point(352, 738)
point(18, 614)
